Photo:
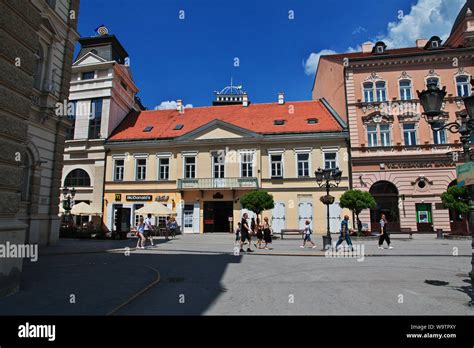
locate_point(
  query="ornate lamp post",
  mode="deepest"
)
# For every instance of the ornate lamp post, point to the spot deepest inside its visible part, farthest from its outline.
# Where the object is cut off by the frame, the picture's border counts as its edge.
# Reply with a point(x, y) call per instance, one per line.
point(432, 100)
point(323, 179)
point(68, 197)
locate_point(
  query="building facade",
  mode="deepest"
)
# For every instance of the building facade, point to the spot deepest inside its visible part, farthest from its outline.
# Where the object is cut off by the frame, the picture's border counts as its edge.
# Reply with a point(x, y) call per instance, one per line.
point(394, 151)
point(102, 93)
point(38, 40)
point(200, 161)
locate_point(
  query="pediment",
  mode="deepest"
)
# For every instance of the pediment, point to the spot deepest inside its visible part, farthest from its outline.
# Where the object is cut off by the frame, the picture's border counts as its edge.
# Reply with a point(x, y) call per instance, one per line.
point(88, 59)
point(218, 129)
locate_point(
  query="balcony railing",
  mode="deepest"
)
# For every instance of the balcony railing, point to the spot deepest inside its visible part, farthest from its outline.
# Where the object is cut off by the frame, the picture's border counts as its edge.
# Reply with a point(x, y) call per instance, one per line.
point(212, 183)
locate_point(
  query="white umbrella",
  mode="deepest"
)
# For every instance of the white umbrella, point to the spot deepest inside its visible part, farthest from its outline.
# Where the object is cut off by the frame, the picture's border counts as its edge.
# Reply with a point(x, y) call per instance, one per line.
point(83, 209)
point(155, 208)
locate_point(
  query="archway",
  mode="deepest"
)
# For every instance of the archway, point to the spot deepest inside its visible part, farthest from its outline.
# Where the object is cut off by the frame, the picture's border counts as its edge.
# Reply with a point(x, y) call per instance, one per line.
point(77, 178)
point(386, 196)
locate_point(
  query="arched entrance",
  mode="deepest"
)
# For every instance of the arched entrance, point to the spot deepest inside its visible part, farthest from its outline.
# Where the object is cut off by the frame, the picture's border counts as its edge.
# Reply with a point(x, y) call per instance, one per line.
point(458, 222)
point(386, 196)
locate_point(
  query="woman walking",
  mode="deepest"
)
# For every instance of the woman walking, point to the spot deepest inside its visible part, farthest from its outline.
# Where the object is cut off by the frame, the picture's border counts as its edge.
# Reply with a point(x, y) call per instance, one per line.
point(307, 232)
point(259, 233)
point(140, 233)
point(267, 233)
point(384, 235)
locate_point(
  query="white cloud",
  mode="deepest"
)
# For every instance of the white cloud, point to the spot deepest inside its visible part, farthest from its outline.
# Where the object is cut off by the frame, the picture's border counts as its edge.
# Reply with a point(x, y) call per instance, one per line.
point(311, 64)
point(425, 19)
point(170, 105)
point(359, 30)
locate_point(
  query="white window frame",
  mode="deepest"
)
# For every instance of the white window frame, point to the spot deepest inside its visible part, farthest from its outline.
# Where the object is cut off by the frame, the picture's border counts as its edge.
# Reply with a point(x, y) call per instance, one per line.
point(466, 85)
point(213, 164)
point(372, 132)
point(389, 134)
point(326, 150)
point(303, 152)
point(385, 89)
point(436, 135)
point(414, 130)
point(140, 157)
point(116, 158)
point(368, 89)
point(405, 88)
point(159, 157)
point(276, 152)
point(253, 154)
point(184, 166)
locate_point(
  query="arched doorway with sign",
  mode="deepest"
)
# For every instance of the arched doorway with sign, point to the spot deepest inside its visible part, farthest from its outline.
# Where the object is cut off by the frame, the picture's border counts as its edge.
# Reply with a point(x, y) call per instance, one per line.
point(386, 196)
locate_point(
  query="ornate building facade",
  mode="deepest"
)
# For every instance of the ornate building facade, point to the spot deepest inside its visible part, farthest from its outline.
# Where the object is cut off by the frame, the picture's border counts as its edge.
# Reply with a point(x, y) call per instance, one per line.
point(38, 40)
point(395, 153)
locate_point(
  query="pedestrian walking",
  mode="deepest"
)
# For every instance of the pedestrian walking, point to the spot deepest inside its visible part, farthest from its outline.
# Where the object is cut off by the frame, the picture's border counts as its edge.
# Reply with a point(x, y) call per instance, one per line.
point(140, 233)
point(245, 234)
point(307, 232)
point(148, 229)
point(237, 232)
point(173, 226)
point(259, 232)
point(384, 235)
point(344, 234)
point(267, 233)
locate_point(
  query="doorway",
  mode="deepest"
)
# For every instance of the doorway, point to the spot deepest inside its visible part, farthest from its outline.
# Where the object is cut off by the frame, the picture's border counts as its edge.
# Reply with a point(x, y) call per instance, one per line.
point(386, 196)
point(216, 216)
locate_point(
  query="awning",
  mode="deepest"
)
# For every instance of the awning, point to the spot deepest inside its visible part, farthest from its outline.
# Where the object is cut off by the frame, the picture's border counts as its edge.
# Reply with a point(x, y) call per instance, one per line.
point(155, 208)
point(83, 209)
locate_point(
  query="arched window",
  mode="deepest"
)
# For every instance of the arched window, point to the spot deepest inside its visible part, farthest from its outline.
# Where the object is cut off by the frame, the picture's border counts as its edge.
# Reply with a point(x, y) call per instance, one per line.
point(77, 178)
point(385, 194)
point(463, 86)
point(405, 90)
point(381, 90)
point(368, 92)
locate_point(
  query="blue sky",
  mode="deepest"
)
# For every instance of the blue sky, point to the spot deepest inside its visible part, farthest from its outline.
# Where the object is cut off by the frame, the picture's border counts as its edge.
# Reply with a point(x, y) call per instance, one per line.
point(189, 59)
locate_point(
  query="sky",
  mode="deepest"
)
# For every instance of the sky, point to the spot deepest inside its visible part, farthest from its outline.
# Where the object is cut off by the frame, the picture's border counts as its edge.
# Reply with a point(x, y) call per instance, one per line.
point(187, 49)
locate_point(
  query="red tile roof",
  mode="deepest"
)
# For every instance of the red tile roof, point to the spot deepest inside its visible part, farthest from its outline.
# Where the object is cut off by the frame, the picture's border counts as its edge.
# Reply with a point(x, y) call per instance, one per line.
point(258, 118)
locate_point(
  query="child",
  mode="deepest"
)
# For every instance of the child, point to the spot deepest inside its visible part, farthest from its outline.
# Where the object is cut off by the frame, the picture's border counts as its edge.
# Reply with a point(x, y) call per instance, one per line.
point(307, 232)
point(237, 232)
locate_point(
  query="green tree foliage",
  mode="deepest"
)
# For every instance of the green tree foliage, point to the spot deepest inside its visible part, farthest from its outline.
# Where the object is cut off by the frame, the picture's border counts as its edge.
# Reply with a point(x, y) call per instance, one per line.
point(257, 201)
point(356, 201)
point(456, 198)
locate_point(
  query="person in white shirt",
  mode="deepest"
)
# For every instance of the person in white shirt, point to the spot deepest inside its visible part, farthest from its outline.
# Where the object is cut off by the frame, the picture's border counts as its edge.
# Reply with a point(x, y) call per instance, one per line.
point(148, 229)
point(307, 232)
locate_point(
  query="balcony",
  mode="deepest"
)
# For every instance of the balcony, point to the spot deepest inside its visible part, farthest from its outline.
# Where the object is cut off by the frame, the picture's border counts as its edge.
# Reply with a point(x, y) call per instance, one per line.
point(212, 183)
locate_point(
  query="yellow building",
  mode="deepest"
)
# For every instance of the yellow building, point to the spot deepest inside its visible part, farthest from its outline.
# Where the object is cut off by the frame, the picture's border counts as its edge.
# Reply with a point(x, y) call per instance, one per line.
point(200, 161)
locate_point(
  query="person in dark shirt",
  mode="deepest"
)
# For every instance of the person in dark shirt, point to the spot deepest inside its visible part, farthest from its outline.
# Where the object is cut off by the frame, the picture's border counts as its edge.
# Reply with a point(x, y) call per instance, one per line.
point(245, 233)
point(344, 234)
point(384, 235)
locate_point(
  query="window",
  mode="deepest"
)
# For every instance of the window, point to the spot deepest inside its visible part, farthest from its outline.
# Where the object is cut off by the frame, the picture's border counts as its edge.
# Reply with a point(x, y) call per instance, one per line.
point(368, 92)
point(38, 81)
point(381, 90)
point(118, 169)
point(405, 90)
point(330, 161)
point(71, 115)
point(409, 134)
point(148, 129)
point(432, 80)
point(385, 139)
point(279, 122)
point(189, 167)
point(439, 136)
point(141, 168)
point(247, 165)
point(312, 120)
point(372, 135)
point(89, 75)
point(462, 85)
point(77, 178)
point(95, 118)
point(276, 166)
point(303, 164)
point(218, 162)
point(178, 127)
point(163, 169)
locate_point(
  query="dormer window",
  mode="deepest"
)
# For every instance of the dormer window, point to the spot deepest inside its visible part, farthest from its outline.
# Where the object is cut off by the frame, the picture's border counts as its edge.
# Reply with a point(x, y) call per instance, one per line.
point(279, 122)
point(148, 129)
point(379, 48)
point(178, 127)
point(433, 43)
point(312, 120)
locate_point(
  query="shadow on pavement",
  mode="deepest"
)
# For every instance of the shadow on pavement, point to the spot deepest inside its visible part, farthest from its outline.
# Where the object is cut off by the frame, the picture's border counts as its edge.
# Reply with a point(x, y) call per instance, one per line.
point(97, 283)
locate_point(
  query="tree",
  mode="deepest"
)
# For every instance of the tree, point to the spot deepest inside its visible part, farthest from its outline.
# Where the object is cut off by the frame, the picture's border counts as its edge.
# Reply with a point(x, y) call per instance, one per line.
point(457, 199)
point(356, 201)
point(257, 201)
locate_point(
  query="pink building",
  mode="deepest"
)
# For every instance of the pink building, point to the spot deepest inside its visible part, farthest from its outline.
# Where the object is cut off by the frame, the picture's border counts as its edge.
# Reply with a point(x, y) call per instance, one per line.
point(394, 152)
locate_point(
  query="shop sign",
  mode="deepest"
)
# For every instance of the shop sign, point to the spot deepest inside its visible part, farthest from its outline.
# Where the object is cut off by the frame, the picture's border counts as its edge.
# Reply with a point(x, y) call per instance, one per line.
point(118, 197)
point(465, 174)
point(162, 198)
point(139, 198)
point(420, 164)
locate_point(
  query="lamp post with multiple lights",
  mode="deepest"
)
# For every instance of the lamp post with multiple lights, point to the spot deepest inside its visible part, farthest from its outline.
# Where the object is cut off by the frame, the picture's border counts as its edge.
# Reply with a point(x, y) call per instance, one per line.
point(323, 179)
point(68, 197)
point(431, 100)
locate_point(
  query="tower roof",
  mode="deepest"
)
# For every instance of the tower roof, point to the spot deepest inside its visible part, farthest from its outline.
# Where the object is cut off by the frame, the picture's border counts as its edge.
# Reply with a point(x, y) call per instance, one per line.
point(462, 14)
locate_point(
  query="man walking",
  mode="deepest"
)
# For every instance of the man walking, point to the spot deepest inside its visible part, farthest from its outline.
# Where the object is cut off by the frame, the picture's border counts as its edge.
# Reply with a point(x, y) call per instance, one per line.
point(344, 234)
point(384, 235)
point(245, 233)
point(148, 229)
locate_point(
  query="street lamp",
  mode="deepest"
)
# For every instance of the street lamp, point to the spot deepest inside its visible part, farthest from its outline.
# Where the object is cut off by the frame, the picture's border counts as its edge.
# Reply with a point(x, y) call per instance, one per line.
point(431, 100)
point(323, 179)
point(68, 197)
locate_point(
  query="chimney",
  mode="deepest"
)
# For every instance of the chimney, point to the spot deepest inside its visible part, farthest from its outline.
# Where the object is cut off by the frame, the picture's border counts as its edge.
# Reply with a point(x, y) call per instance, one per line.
point(367, 47)
point(421, 43)
point(281, 98)
point(245, 100)
point(179, 106)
